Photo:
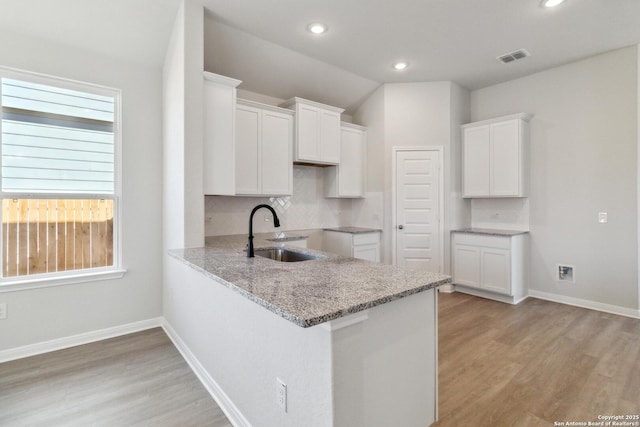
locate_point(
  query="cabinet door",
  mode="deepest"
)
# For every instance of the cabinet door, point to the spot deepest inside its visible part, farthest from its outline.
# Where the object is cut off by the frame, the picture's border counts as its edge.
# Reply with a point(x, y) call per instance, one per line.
point(496, 269)
point(476, 162)
point(505, 158)
point(351, 169)
point(219, 105)
point(367, 252)
point(308, 133)
point(329, 137)
point(247, 167)
point(336, 243)
point(466, 265)
point(276, 164)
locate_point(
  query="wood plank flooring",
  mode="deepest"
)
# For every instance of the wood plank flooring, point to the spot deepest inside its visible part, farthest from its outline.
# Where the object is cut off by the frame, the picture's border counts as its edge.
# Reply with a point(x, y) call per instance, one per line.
point(534, 364)
point(134, 380)
point(528, 365)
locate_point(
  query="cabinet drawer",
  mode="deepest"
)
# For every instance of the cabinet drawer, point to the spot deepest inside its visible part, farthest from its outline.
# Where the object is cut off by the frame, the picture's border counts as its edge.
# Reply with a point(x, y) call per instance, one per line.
point(365, 238)
point(500, 242)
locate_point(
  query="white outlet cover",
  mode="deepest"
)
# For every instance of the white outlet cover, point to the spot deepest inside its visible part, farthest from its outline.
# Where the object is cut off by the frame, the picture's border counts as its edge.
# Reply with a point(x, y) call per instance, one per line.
point(281, 395)
point(602, 217)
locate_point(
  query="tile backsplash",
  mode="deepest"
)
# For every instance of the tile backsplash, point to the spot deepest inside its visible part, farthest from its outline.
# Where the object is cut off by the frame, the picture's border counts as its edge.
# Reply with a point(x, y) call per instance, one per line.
point(307, 208)
point(507, 213)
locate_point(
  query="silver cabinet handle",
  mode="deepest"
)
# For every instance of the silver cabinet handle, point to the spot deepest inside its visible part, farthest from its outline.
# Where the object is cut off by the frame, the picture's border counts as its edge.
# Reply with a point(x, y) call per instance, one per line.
point(401, 227)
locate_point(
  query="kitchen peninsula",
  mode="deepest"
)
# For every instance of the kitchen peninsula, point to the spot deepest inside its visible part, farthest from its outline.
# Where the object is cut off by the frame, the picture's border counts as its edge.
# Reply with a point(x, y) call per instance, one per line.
point(355, 342)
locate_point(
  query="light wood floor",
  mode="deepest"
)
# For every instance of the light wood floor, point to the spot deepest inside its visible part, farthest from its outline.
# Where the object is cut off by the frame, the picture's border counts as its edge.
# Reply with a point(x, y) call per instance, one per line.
point(533, 364)
point(500, 366)
point(134, 380)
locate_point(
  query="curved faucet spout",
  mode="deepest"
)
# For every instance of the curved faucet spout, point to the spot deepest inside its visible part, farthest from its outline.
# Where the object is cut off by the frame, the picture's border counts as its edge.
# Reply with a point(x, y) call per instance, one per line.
point(276, 223)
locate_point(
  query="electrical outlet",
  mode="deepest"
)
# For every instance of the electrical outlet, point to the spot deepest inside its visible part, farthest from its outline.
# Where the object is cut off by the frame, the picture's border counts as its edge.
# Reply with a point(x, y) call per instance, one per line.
point(3, 310)
point(602, 217)
point(281, 396)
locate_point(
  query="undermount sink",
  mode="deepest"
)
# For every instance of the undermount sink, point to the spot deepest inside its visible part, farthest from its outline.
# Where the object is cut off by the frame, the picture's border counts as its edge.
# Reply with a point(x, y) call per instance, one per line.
point(284, 255)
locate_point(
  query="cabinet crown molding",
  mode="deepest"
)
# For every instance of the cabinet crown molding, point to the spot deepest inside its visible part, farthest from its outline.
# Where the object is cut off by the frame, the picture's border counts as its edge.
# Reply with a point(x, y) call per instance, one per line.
point(522, 116)
point(295, 100)
point(353, 126)
point(262, 106)
point(217, 78)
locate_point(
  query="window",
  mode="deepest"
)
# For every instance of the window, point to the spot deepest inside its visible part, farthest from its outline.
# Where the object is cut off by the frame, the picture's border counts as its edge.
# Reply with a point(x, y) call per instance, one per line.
point(59, 180)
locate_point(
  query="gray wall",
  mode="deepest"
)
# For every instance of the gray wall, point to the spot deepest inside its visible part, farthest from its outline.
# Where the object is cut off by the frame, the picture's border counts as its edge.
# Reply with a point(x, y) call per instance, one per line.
point(583, 161)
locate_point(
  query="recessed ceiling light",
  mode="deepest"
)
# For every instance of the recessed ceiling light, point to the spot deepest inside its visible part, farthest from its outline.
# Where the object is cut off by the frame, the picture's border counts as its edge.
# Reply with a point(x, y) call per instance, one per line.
point(400, 66)
point(551, 3)
point(317, 28)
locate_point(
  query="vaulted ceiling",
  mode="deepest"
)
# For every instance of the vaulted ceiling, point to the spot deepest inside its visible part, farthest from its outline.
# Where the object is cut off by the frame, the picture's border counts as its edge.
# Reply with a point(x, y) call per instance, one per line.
point(266, 44)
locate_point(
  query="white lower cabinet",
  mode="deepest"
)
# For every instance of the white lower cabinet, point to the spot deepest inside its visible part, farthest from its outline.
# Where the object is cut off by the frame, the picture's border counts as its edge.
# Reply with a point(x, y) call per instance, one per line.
point(491, 263)
point(362, 245)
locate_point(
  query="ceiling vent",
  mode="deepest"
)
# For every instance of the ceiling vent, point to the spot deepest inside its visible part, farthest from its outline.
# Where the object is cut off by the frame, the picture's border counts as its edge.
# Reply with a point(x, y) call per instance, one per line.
point(513, 56)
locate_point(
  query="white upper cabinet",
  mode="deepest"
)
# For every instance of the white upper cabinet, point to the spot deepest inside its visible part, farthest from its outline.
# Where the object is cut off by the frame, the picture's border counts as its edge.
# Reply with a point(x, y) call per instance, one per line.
point(495, 157)
point(263, 155)
point(348, 178)
point(317, 132)
point(248, 146)
point(219, 106)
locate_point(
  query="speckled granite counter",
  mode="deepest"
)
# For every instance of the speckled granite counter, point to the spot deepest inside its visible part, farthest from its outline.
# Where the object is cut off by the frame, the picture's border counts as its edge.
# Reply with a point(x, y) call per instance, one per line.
point(490, 231)
point(306, 293)
point(353, 230)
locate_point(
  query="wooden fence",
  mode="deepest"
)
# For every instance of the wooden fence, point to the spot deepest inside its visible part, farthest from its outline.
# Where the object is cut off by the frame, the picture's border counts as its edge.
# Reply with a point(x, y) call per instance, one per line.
point(42, 235)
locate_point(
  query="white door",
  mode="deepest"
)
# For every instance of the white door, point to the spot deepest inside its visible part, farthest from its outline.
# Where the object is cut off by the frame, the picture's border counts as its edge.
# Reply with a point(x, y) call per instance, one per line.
point(417, 205)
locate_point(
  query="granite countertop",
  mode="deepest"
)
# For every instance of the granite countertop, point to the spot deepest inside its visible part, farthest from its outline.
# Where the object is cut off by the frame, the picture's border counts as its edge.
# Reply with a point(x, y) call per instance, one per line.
point(490, 231)
point(306, 293)
point(353, 230)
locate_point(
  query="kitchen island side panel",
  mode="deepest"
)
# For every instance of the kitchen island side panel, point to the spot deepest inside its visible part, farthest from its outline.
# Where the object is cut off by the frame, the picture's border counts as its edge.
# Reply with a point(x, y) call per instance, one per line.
point(338, 377)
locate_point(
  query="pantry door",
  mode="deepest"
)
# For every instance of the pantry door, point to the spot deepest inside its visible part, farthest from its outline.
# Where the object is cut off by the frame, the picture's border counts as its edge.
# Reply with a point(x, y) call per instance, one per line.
point(417, 227)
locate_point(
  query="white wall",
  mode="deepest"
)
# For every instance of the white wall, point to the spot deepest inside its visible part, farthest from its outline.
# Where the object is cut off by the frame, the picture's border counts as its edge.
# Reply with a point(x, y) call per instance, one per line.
point(583, 161)
point(415, 114)
point(182, 90)
point(47, 314)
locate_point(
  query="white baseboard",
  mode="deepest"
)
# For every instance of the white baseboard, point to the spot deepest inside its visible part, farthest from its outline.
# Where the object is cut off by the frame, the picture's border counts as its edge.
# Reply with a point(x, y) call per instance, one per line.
point(447, 289)
point(490, 295)
point(228, 407)
point(75, 340)
point(592, 305)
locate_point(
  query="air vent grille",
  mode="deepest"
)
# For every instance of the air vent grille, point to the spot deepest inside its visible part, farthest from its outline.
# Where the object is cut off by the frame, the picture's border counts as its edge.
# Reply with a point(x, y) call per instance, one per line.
point(513, 56)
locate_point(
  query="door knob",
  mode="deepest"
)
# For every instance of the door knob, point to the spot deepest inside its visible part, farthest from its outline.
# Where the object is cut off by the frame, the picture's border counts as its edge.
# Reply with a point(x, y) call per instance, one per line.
point(401, 227)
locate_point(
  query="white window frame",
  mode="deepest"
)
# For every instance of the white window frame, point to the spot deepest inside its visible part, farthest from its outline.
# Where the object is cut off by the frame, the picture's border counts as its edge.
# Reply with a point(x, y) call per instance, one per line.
point(39, 280)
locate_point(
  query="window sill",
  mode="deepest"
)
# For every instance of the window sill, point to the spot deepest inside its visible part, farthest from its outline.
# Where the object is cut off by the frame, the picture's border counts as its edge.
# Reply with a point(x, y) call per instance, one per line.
point(47, 280)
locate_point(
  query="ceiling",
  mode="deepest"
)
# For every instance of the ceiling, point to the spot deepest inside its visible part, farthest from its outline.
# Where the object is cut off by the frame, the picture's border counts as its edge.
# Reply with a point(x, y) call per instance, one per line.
point(265, 42)
point(132, 30)
point(455, 40)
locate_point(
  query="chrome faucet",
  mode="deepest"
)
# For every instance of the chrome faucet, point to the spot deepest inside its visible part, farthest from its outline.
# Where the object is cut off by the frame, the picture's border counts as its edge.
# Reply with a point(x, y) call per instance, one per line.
point(276, 223)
